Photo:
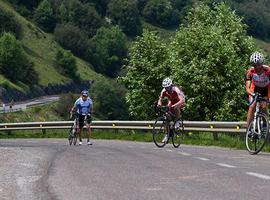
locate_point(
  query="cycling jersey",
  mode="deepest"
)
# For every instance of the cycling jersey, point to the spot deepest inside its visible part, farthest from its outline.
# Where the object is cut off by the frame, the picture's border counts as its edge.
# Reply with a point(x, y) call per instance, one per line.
point(259, 82)
point(83, 107)
point(174, 96)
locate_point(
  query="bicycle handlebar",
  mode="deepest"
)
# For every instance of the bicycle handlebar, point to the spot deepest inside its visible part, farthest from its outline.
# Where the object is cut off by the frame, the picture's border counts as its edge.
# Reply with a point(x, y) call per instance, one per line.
point(256, 97)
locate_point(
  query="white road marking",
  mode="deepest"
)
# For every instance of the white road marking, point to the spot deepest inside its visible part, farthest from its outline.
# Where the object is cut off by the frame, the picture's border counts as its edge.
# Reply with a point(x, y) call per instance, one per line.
point(169, 150)
point(225, 165)
point(185, 154)
point(201, 158)
point(258, 175)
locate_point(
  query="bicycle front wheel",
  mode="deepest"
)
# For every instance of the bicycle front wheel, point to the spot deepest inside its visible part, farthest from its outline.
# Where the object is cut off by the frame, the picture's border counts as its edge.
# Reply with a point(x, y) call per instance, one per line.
point(257, 136)
point(159, 132)
point(178, 135)
point(71, 135)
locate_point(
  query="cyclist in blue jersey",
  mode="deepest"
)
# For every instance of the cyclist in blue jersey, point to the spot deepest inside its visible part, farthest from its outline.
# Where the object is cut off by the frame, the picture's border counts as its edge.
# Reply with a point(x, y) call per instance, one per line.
point(84, 107)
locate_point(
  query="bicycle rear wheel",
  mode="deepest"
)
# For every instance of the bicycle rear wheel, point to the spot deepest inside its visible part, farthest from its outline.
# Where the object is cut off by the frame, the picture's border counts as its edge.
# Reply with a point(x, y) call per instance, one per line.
point(257, 136)
point(178, 135)
point(159, 133)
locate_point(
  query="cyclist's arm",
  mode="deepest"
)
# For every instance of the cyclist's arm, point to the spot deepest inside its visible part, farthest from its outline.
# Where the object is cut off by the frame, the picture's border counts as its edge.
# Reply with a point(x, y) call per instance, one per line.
point(248, 87)
point(161, 96)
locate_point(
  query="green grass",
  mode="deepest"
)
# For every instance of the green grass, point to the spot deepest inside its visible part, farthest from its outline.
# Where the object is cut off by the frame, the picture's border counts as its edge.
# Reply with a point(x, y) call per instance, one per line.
point(41, 48)
point(165, 34)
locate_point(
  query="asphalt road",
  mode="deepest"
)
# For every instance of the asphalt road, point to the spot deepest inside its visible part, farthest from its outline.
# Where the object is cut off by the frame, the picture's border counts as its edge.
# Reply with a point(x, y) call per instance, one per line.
point(51, 169)
point(25, 104)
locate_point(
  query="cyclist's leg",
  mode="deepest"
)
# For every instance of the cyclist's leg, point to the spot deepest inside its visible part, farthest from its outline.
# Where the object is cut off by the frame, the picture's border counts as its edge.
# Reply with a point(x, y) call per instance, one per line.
point(81, 123)
point(166, 137)
point(251, 111)
point(88, 126)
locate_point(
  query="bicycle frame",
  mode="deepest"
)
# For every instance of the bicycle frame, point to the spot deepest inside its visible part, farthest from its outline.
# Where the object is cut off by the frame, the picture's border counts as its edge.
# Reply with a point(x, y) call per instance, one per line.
point(258, 130)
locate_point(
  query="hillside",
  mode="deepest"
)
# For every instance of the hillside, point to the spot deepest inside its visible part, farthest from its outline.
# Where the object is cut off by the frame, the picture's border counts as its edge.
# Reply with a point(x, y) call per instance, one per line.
point(41, 50)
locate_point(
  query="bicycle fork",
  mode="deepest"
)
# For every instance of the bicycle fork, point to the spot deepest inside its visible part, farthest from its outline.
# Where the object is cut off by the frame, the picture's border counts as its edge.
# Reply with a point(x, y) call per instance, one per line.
point(256, 121)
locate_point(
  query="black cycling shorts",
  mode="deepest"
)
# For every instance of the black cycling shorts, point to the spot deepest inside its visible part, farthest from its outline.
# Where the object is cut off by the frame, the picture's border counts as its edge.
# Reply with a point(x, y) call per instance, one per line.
point(262, 91)
point(81, 120)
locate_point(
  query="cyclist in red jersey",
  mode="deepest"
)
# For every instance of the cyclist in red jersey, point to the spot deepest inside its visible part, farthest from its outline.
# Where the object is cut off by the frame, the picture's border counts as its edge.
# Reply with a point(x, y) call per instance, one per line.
point(257, 80)
point(176, 99)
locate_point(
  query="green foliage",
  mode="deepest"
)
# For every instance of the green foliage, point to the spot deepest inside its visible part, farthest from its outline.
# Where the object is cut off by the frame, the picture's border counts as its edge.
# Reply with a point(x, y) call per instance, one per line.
point(44, 16)
point(161, 12)
point(209, 55)
point(85, 17)
point(65, 104)
point(72, 38)
point(207, 58)
point(256, 16)
point(109, 102)
point(125, 14)
point(146, 69)
point(107, 49)
point(8, 23)
point(67, 63)
point(13, 61)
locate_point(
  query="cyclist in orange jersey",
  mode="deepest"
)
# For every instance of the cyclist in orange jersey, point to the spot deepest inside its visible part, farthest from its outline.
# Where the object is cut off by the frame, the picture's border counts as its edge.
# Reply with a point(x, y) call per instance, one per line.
point(257, 81)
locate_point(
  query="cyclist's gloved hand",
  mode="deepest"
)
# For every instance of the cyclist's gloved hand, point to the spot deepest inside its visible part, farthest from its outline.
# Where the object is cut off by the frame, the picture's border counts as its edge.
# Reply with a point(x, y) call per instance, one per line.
point(71, 113)
point(253, 94)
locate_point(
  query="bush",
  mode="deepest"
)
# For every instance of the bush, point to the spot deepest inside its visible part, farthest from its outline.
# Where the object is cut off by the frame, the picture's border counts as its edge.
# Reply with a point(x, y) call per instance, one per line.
point(44, 16)
point(161, 12)
point(14, 63)
point(72, 38)
point(8, 23)
point(125, 13)
point(65, 104)
point(67, 63)
point(107, 50)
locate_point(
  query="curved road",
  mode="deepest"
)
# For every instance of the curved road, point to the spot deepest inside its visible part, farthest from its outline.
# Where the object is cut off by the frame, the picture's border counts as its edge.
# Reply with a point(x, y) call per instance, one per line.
point(50, 169)
point(32, 102)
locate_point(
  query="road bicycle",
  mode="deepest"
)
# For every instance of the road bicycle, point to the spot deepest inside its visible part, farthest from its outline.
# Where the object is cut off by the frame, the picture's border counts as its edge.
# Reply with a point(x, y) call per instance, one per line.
point(73, 131)
point(258, 130)
point(166, 124)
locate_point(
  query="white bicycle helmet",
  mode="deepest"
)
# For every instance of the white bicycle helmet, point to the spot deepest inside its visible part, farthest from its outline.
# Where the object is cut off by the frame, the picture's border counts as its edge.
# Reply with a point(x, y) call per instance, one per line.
point(167, 82)
point(256, 58)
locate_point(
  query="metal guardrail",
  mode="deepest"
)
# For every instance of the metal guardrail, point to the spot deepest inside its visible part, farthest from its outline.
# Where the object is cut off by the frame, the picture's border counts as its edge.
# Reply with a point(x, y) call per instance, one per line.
point(196, 126)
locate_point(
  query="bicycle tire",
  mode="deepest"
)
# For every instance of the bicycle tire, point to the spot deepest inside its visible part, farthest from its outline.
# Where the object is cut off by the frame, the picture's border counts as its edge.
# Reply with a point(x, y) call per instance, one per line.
point(159, 133)
point(71, 135)
point(256, 141)
point(178, 135)
point(75, 136)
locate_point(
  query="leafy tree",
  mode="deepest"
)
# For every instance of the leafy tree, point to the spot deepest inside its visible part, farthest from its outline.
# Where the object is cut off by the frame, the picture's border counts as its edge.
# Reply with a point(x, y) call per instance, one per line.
point(44, 16)
point(72, 38)
point(107, 50)
point(67, 63)
point(125, 14)
point(145, 71)
point(209, 55)
point(63, 13)
point(161, 12)
point(13, 61)
point(29, 4)
point(207, 58)
point(8, 23)
point(85, 17)
point(109, 101)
